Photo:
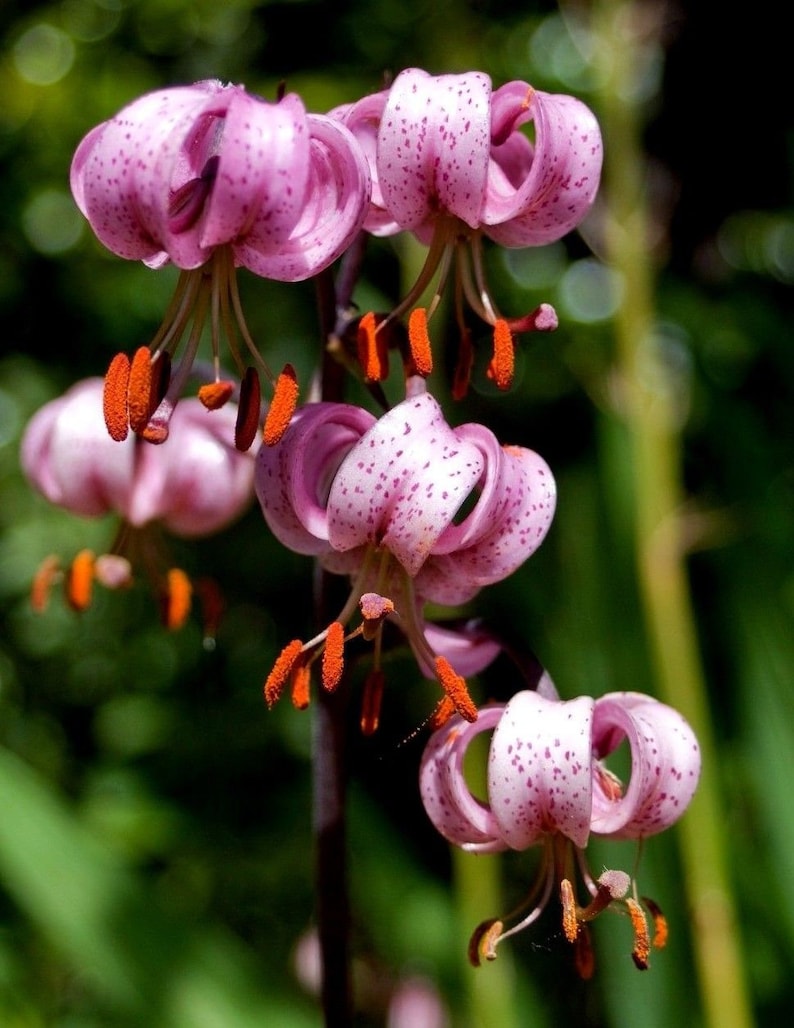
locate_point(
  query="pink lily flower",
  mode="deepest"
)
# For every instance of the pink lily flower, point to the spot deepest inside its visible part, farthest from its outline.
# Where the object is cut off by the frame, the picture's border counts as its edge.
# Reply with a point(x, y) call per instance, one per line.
point(380, 500)
point(450, 163)
point(548, 786)
point(210, 178)
point(194, 485)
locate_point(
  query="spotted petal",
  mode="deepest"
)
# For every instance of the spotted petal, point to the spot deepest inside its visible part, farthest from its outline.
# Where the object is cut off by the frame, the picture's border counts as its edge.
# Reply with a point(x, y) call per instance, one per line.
point(539, 769)
point(665, 765)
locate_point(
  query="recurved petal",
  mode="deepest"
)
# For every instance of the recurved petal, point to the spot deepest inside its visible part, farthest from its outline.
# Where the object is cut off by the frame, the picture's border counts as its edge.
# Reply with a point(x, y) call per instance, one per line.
point(402, 483)
point(116, 175)
point(334, 205)
point(455, 812)
point(433, 146)
point(540, 769)
point(665, 765)
point(293, 478)
point(537, 194)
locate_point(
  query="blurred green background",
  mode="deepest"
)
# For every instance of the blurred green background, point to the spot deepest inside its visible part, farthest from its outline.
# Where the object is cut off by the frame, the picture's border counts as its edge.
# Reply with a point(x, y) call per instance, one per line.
point(155, 848)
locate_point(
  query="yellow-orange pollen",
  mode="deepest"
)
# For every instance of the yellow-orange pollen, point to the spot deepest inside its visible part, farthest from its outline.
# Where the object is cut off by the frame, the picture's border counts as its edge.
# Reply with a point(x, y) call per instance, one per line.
point(373, 354)
point(282, 406)
point(502, 365)
point(454, 685)
point(419, 341)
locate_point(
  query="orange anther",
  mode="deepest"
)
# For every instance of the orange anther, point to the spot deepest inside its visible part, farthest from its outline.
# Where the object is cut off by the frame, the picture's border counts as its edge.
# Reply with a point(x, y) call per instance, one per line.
point(333, 663)
point(570, 920)
point(79, 580)
point(282, 406)
point(176, 600)
point(373, 355)
point(40, 587)
point(114, 397)
point(215, 394)
point(483, 941)
point(584, 957)
point(301, 680)
point(443, 712)
point(161, 378)
point(642, 945)
point(277, 679)
point(371, 701)
point(463, 368)
point(139, 390)
point(248, 410)
point(419, 341)
point(455, 687)
point(659, 923)
point(502, 365)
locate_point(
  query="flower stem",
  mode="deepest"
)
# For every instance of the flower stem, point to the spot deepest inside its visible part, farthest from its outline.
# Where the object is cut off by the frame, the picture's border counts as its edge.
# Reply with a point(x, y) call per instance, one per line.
point(651, 409)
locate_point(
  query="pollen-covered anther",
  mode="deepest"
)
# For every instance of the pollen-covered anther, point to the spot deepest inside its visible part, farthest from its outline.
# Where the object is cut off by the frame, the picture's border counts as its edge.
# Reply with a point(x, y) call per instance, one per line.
point(114, 397)
point(570, 913)
point(177, 597)
point(659, 923)
point(454, 685)
point(445, 709)
point(80, 580)
point(371, 701)
point(502, 365)
point(373, 353)
point(300, 682)
point(482, 945)
point(333, 661)
point(374, 610)
point(640, 954)
point(281, 671)
point(139, 390)
point(48, 572)
point(282, 406)
point(215, 395)
point(248, 410)
point(419, 342)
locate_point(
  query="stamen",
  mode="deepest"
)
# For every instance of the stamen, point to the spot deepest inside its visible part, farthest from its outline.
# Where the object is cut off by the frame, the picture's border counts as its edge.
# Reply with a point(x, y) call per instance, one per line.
point(212, 608)
point(333, 663)
point(570, 920)
point(455, 687)
point(282, 406)
point(419, 341)
point(373, 353)
point(177, 597)
point(502, 365)
point(161, 378)
point(659, 923)
point(215, 394)
point(442, 714)
point(371, 701)
point(483, 941)
point(79, 580)
point(114, 397)
point(277, 679)
point(642, 945)
point(41, 586)
point(584, 957)
point(139, 390)
point(248, 411)
point(301, 680)
point(463, 368)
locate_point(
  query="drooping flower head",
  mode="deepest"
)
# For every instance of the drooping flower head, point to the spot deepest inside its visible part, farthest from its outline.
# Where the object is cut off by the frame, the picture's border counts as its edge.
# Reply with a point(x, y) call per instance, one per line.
point(450, 163)
point(413, 510)
point(209, 177)
point(194, 485)
point(548, 786)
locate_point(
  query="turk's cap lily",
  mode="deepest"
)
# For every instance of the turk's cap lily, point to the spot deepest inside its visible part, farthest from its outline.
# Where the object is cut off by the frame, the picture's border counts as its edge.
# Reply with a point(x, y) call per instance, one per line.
point(451, 145)
point(341, 484)
point(547, 786)
point(195, 484)
point(546, 774)
point(181, 171)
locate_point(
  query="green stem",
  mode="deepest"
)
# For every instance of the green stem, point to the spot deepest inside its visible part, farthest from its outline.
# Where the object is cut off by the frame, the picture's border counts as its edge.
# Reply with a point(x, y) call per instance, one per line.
point(652, 418)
